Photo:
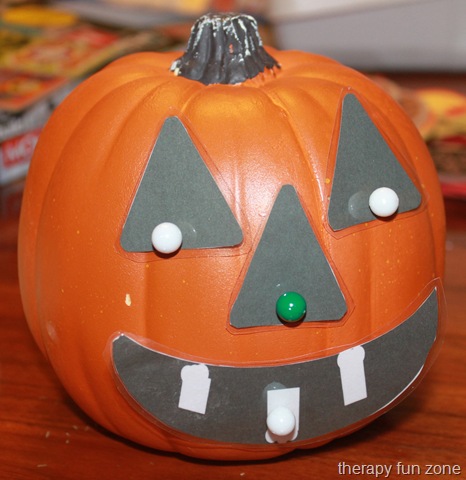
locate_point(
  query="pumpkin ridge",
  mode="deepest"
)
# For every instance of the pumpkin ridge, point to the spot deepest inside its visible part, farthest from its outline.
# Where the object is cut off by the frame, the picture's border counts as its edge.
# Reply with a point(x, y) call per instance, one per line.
point(63, 162)
point(275, 92)
point(333, 72)
point(36, 170)
point(97, 107)
point(291, 59)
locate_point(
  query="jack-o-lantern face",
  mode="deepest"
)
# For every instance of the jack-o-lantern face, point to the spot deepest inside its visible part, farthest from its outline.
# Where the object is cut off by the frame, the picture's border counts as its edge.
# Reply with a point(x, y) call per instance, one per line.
point(233, 270)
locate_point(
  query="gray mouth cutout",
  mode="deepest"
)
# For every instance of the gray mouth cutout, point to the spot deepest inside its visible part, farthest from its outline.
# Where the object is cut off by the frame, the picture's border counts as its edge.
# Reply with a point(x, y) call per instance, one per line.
point(236, 407)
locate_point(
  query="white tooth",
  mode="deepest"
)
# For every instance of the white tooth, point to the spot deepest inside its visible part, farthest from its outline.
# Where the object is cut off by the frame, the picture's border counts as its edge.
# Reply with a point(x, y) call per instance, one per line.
point(195, 388)
point(282, 415)
point(353, 377)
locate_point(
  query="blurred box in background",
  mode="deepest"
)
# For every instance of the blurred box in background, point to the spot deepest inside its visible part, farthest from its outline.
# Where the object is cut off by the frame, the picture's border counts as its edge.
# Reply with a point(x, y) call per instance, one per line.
point(44, 54)
point(376, 34)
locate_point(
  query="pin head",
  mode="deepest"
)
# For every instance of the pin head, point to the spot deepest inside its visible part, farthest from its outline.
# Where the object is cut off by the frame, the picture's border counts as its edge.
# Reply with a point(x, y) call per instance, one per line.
point(291, 307)
point(166, 238)
point(384, 202)
point(281, 421)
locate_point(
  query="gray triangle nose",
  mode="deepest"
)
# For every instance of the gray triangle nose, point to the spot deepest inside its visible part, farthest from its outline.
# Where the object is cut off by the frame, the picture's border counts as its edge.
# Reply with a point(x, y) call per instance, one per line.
point(288, 258)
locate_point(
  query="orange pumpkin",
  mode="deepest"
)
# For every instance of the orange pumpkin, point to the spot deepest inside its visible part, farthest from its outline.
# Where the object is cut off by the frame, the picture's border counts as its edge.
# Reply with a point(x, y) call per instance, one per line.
point(233, 254)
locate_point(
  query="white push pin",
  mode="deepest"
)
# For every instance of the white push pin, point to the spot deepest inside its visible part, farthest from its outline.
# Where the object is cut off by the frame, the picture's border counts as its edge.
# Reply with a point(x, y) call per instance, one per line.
point(282, 415)
point(166, 237)
point(195, 388)
point(384, 202)
point(353, 377)
point(281, 421)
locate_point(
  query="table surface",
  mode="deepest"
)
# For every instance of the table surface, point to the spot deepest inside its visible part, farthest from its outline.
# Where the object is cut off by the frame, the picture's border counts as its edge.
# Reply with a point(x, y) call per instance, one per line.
point(43, 435)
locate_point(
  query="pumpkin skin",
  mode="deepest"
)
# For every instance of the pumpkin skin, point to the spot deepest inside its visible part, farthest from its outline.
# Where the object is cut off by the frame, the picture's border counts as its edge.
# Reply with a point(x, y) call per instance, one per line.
point(82, 290)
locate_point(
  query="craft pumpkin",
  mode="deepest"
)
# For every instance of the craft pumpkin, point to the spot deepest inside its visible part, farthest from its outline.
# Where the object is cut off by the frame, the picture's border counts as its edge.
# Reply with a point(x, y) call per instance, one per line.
point(306, 295)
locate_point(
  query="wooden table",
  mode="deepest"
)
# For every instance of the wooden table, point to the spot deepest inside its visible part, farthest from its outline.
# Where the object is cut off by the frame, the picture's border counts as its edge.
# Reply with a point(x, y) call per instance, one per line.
point(43, 435)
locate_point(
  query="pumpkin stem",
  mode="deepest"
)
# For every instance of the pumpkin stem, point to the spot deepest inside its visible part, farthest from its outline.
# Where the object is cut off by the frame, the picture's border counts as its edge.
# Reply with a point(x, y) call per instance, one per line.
point(224, 48)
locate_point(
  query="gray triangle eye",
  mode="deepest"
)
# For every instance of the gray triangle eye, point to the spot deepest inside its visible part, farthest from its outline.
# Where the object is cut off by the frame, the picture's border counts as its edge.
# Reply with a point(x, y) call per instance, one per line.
point(367, 173)
point(288, 260)
point(177, 188)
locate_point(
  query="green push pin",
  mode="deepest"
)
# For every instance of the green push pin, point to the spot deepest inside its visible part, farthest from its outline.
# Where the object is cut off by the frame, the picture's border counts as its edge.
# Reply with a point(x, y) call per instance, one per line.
point(291, 307)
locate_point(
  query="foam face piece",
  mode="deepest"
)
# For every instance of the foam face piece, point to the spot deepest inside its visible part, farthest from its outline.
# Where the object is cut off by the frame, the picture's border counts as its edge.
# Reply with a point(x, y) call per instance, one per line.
point(177, 187)
point(353, 377)
point(364, 163)
point(288, 258)
point(238, 398)
point(195, 388)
